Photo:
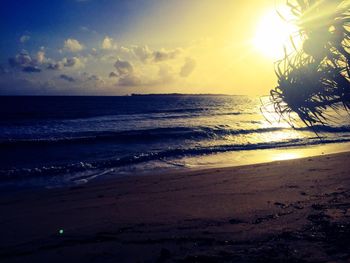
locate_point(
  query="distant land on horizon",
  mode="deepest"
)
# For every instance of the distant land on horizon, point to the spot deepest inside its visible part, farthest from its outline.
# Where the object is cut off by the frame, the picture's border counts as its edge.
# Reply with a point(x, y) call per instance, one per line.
point(181, 94)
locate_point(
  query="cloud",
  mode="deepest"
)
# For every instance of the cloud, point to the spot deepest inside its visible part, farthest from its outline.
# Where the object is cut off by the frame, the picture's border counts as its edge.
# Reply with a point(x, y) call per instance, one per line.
point(40, 57)
point(165, 74)
point(73, 62)
point(70, 62)
point(94, 78)
point(73, 45)
point(127, 66)
point(143, 53)
point(111, 55)
point(123, 67)
point(124, 51)
point(113, 75)
point(67, 78)
point(156, 68)
point(188, 67)
point(94, 52)
point(21, 60)
point(84, 29)
point(91, 77)
point(31, 69)
point(126, 74)
point(129, 81)
point(55, 65)
point(26, 63)
point(108, 43)
point(24, 38)
point(163, 55)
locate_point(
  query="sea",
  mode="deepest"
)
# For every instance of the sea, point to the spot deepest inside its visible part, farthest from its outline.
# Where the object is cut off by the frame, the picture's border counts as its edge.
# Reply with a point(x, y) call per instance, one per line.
point(59, 141)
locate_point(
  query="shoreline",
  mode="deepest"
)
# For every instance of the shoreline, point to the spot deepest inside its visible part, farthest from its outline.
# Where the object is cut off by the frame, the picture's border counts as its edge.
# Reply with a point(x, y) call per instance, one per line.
point(258, 156)
point(290, 210)
point(230, 159)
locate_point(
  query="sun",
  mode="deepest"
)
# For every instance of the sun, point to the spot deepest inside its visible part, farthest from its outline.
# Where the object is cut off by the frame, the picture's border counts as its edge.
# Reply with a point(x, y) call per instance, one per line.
point(273, 34)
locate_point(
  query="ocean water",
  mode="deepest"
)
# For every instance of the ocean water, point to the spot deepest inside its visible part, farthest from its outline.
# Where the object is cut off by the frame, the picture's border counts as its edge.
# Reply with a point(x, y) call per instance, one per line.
point(55, 141)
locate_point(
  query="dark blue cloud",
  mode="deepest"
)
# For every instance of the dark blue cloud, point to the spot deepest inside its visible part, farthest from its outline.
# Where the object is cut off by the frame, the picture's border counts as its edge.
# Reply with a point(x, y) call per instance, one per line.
point(31, 69)
point(67, 78)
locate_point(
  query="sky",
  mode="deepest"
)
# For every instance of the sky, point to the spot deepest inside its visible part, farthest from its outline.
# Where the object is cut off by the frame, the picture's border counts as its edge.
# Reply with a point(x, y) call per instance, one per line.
point(118, 47)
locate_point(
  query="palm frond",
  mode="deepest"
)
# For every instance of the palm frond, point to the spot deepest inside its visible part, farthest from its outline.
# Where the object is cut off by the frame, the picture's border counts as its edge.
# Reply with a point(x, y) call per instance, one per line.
point(315, 78)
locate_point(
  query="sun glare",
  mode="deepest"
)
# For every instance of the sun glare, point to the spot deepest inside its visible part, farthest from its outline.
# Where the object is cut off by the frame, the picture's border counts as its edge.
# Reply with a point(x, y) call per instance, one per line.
point(286, 156)
point(273, 35)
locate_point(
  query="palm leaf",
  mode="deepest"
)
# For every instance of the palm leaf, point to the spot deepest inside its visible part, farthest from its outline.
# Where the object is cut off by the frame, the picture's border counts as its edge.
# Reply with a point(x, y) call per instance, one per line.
point(310, 85)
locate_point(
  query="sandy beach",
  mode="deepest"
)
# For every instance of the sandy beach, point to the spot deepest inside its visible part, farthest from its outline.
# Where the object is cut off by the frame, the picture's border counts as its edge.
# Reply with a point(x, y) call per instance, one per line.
point(149, 131)
point(290, 211)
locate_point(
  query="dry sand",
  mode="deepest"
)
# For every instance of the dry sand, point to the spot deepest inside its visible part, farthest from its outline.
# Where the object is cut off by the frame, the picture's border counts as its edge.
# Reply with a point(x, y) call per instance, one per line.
point(290, 211)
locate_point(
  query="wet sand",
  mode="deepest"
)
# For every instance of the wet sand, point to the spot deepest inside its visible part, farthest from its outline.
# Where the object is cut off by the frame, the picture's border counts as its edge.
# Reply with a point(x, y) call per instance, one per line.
point(290, 211)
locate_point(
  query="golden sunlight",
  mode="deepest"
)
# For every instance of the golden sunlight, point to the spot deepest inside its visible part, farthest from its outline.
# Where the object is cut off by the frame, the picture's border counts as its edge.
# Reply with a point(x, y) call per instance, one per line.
point(273, 34)
point(283, 156)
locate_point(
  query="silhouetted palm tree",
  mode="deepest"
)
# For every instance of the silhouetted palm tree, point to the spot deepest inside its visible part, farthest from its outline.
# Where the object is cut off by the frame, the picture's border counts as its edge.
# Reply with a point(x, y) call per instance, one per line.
point(315, 78)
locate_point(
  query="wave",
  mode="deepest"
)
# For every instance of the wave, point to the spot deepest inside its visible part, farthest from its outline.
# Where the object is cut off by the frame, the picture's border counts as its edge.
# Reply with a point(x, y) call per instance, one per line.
point(195, 133)
point(79, 115)
point(328, 129)
point(156, 155)
point(137, 135)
